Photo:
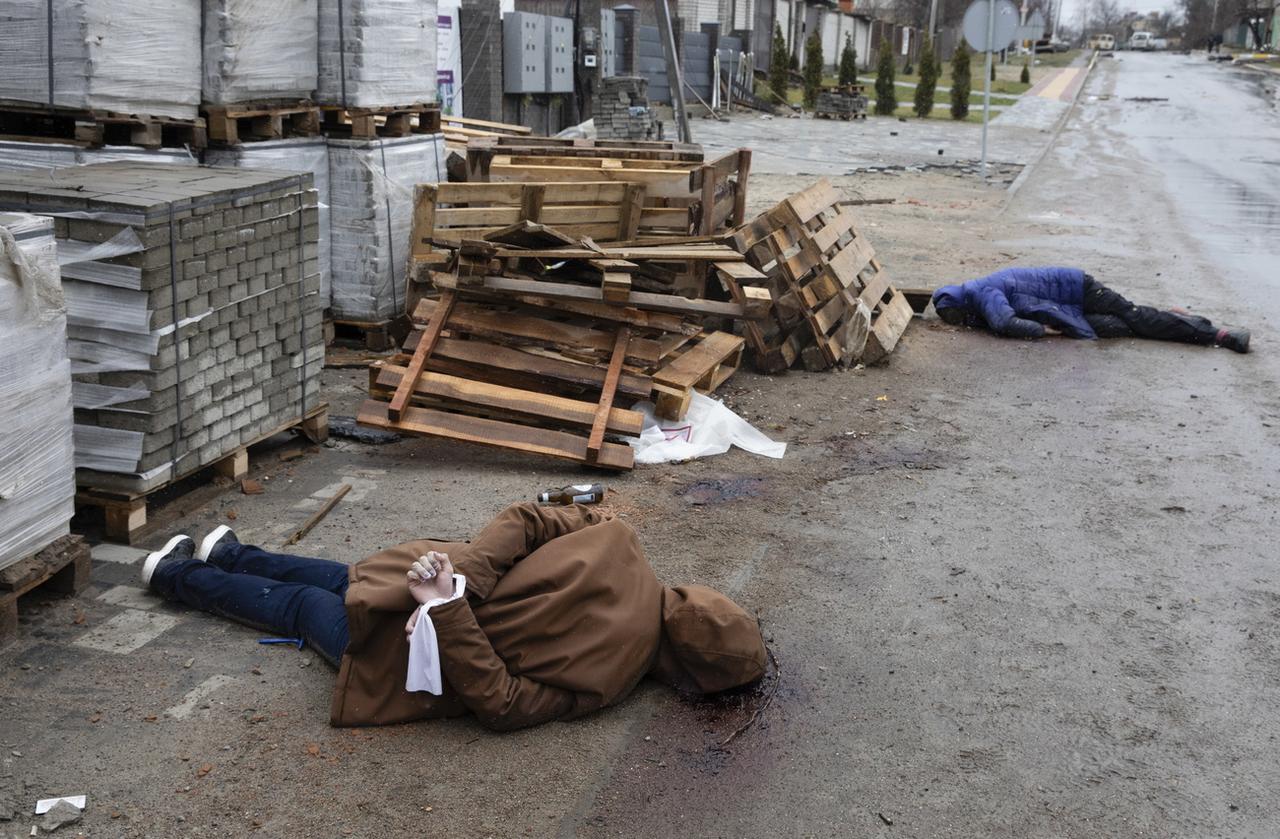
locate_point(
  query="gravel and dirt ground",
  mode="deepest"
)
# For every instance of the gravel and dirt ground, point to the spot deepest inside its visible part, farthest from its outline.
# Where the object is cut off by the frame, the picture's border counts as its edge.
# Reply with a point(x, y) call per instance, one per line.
point(1015, 589)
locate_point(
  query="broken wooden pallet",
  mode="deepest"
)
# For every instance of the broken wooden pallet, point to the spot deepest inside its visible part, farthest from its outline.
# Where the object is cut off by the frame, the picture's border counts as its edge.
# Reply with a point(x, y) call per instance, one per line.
point(833, 302)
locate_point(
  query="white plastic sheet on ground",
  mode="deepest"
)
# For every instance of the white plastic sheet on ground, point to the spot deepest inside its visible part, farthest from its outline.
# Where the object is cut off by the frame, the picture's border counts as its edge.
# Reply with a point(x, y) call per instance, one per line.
point(708, 428)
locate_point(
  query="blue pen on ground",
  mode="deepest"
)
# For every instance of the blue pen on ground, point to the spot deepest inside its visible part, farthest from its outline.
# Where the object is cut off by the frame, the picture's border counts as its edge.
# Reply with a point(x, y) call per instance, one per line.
point(297, 641)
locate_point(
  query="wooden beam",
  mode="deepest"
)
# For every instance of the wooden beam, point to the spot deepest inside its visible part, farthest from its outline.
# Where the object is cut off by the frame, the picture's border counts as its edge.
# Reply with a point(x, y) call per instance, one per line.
point(427, 422)
point(430, 336)
point(644, 300)
point(603, 409)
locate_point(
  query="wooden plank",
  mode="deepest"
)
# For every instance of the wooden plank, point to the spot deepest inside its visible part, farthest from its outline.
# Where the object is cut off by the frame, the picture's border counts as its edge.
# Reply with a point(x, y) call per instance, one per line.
point(695, 364)
point(531, 204)
point(631, 214)
point(470, 122)
point(811, 201)
point(424, 211)
point(427, 422)
point(555, 215)
point(644, 300)
point(674, 184)
point(740, 189)
point(887, 329)
point(511, 193)
point(596, 439)
point(428, 342)
point(615, 287)
point(531, 403)
point(657, 321)
point(630, 253)
point(539, 331)
point(480, 354)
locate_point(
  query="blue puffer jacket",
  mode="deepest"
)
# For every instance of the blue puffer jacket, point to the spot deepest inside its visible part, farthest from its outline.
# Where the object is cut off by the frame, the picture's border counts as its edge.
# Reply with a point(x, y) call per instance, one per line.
point(1052, 296)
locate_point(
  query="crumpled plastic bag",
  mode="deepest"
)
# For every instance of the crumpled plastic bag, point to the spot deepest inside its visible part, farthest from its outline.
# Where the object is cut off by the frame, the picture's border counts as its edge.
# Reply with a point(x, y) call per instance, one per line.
point(708, 428)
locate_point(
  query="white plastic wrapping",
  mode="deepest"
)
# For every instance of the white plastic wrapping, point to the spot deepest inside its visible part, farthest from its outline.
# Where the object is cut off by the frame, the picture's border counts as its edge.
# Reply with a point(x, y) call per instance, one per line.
point(113, 55)
point(37, 475)
point(305, 154)
point(371, 213)
point(377, 53)
point(257, 50)
point(16, 155)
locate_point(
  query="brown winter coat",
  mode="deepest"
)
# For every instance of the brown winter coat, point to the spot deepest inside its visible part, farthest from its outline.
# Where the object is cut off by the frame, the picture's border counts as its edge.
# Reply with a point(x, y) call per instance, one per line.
point(563, 615)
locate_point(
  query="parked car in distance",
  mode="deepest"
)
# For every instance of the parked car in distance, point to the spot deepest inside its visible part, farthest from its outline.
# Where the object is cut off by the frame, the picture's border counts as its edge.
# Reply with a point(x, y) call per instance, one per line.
point(1144, 41)
point(1102, 43)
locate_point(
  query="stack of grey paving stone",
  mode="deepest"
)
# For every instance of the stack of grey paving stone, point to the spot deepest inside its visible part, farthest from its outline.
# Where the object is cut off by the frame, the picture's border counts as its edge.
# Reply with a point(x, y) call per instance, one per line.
point(371, 212)
point(621, 110)
point(377, 53)
point(297, 154)
point(37, 477)
point(194, 314)
point(111, 55)
point(259, 50)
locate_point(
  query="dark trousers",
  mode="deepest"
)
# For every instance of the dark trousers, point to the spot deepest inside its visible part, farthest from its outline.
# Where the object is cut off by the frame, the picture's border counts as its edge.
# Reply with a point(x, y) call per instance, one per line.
point(293, 596)
point(1112, 316)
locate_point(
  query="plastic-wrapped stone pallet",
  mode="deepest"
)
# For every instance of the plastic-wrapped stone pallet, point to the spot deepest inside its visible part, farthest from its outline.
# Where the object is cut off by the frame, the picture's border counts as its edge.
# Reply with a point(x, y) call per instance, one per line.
point(370, 215)
point(377, 53)
point(304, 154)
point(259, 50)
point(193, 310)
point(17, 155)
point(37, 476)
point(111, 55)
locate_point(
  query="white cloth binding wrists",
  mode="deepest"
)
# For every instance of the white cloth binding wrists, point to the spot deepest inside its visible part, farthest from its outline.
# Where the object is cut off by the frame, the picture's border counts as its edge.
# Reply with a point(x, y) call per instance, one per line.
point(424, 652)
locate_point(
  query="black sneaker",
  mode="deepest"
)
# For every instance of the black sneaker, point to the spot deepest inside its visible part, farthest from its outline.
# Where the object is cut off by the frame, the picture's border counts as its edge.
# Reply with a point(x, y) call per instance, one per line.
point(1233, 339)
point(177, 549)
point(218, 539)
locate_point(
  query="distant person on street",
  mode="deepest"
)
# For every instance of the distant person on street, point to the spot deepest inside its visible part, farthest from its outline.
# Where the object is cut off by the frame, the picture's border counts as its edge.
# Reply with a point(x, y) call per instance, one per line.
point(1021, 302)
point(550, 613)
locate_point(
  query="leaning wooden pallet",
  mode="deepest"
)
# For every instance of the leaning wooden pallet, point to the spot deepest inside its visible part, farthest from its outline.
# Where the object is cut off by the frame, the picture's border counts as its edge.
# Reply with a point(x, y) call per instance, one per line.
point(833, 302)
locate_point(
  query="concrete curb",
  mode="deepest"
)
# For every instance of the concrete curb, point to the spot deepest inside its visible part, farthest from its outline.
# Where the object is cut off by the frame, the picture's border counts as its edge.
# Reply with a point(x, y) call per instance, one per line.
point(1057, 130)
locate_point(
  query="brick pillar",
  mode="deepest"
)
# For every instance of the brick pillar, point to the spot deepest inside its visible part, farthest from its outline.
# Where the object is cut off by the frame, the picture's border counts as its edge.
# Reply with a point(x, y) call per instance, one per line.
point(481, 28)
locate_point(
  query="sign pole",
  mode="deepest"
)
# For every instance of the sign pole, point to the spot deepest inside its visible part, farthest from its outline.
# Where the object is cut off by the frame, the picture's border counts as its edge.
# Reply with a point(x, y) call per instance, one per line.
point(986, 82)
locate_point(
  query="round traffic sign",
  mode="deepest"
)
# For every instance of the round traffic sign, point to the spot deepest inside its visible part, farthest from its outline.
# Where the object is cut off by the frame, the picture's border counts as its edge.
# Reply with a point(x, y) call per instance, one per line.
point(975, 25)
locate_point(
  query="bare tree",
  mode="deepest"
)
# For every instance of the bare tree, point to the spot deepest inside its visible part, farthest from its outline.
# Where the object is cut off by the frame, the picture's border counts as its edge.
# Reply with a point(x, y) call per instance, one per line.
point(1107, 17)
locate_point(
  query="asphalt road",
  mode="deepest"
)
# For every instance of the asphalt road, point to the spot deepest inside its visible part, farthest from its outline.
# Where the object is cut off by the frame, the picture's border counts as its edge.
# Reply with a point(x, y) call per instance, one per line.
point(1014, 589)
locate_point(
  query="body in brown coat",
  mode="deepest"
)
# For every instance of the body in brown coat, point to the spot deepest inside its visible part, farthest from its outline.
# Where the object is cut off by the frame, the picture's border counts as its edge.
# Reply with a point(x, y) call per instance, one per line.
point(562, 616)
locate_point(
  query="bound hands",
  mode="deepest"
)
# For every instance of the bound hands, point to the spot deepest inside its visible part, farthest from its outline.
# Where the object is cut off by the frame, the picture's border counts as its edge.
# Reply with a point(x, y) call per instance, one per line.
point(430, 577)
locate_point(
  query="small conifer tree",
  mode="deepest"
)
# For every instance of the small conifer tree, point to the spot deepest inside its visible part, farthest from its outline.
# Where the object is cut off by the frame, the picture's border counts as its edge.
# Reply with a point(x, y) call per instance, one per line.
point(886, 94)
point(812, 70)
point(848, 62)
point(960, 82)
point(928, 81)
point(779, 74)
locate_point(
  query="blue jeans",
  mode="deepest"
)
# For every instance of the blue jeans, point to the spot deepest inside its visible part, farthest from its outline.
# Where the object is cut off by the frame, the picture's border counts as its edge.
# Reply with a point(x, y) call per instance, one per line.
point(294, 596)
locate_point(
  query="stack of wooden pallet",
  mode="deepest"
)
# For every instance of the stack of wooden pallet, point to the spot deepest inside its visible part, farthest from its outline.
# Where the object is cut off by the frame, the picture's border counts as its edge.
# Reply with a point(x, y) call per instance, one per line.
point(833, 302)
point(675, 175)
point(539, 340)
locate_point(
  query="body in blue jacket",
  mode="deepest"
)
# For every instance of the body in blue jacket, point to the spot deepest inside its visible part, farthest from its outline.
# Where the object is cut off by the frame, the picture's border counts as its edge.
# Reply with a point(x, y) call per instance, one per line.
point(1021, 302)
